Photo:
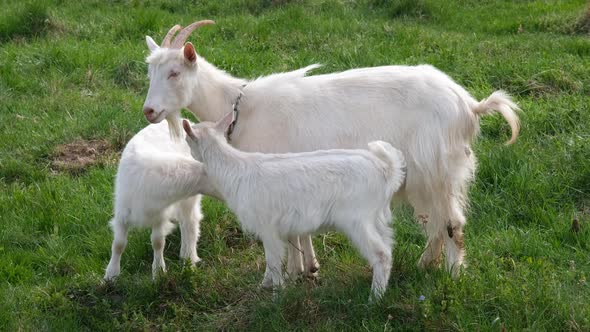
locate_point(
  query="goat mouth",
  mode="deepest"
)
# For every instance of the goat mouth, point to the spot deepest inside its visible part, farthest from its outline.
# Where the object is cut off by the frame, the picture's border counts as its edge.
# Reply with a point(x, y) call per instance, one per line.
point(156, 119)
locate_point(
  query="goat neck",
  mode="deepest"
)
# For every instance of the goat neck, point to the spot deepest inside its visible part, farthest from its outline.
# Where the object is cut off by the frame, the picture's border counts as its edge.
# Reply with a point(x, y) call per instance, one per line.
point(225, 165)
point(214, 92)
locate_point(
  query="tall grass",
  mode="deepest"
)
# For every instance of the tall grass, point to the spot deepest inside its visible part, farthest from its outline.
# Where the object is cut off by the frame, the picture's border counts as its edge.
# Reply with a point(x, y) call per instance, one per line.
point(25, 20)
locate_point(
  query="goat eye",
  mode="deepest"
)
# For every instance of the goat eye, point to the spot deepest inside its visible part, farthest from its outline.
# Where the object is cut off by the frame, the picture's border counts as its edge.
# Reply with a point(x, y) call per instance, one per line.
point(173, 74)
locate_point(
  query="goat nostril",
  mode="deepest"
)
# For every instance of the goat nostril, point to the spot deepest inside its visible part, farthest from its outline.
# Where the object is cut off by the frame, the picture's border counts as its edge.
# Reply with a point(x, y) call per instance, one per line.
point(148, 111)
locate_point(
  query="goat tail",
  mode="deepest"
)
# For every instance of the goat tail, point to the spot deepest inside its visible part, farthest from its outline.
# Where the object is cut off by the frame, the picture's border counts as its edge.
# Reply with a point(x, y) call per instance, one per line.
point(303, 71)
point(501, 102)
point(298, 73)
point(395, 161)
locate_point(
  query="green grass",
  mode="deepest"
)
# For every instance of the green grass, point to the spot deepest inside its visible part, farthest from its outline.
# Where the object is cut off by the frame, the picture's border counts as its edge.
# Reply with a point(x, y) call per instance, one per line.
point(74, 69)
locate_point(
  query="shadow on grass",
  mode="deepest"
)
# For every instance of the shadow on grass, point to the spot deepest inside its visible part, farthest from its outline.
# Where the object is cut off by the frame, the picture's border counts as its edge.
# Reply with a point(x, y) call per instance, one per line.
point(185, 298)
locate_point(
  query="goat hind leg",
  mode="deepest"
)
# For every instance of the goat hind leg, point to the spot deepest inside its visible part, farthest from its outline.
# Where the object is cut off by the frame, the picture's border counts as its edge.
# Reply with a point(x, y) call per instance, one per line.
point(294, 258)
point(454, 243)
point(377, 251)
point(312, 266)
point(432, 255)
point(431, 221)
point(158, 239)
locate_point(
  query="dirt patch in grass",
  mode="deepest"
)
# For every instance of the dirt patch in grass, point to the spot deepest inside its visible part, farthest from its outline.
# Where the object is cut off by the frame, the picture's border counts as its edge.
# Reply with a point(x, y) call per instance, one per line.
point(79, 155)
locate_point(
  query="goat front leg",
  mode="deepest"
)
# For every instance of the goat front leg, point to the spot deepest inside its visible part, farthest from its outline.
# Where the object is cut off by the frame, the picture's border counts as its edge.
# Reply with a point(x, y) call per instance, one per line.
point(376, 248)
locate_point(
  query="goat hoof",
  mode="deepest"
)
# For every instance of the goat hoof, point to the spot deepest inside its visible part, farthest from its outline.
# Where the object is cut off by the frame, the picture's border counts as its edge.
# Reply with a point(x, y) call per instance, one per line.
point(108, 279)
point(295, 273)
point(313, 276)
point(110, 276)
point(430, 264)
point(294, 276)
point(266, 284)
point(196, 260)
point(457, 270)
point(313, 270)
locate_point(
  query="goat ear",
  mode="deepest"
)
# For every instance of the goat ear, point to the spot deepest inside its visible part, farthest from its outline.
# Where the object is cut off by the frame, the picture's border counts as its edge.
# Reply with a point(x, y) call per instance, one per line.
point(187, 128)
point(190, 56)
point(224, 123)
point(151, 44)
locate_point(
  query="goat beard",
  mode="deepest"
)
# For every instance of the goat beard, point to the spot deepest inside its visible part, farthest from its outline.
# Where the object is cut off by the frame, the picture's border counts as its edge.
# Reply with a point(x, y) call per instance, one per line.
point(174, 126)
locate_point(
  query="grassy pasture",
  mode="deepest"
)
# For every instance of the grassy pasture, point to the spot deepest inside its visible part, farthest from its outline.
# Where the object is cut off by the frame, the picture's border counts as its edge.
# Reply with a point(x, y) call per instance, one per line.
point(73, 71)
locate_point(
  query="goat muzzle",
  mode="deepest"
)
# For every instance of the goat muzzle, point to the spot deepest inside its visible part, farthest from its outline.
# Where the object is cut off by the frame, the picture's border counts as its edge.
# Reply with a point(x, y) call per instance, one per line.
point(149, 113)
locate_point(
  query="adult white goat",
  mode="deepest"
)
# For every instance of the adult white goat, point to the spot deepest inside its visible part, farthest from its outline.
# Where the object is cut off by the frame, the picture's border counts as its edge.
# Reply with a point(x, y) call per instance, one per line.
point(277, 196)
point(417, 109)
point(157, 182)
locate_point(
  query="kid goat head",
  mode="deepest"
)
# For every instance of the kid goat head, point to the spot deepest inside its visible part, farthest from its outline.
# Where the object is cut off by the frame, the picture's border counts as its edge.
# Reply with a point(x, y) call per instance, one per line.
point(201, 130)
point(170, 69)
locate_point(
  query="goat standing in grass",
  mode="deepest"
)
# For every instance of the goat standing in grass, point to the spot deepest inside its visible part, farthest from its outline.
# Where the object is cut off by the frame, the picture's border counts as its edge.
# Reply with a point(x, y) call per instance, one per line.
point(157, 182)
point(418, 109)
point(278, 196)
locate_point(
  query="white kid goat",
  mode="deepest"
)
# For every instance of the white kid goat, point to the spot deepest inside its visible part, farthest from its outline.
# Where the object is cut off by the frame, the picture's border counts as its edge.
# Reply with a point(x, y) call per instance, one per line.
point(418, 109)
point(278, 196)
point(158, 182)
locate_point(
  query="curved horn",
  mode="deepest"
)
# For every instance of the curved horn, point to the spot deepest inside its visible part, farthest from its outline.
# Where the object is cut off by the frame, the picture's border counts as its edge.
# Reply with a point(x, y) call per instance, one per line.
point(169, 35)
point(183, 35)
